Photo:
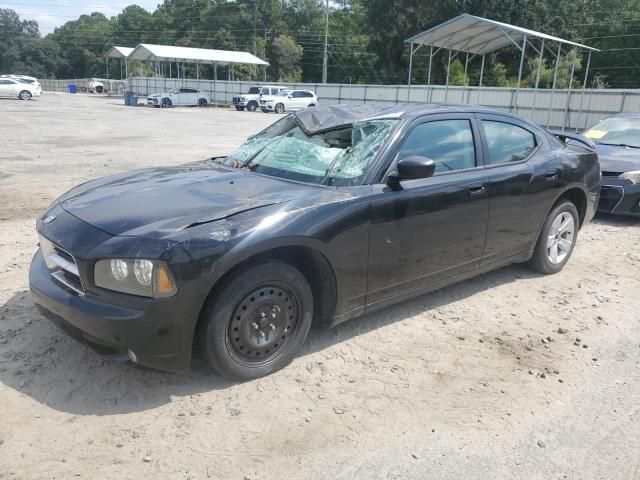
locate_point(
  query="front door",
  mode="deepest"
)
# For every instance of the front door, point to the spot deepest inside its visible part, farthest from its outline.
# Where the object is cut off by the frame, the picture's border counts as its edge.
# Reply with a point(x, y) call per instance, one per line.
point(433, 228)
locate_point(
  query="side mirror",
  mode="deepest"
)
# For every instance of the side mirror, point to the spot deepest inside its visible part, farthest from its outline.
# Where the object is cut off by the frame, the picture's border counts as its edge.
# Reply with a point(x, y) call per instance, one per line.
point(411, 168)
point(289, 96)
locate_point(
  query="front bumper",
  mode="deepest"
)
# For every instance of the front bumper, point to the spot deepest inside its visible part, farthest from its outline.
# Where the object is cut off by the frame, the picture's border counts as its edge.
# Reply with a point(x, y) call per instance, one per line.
point(153, 101)
point(619, 197)
point(237, 102)
point(152, 329)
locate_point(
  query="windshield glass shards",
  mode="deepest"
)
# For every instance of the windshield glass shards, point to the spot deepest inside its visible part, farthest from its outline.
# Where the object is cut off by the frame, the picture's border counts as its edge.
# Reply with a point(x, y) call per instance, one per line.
point(336, 157)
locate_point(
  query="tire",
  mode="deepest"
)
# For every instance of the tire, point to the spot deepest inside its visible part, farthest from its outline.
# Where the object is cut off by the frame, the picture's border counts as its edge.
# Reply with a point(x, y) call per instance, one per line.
point(557, 239)
point(252, 106)
point(25, 95)
point(238, 337)
point(240, 109)
point(166, 103)
point(279, 108)
point(202, 102)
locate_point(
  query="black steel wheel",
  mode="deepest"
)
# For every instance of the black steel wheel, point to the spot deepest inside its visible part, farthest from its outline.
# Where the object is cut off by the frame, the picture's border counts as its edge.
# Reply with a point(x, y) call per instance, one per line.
point(258, 321)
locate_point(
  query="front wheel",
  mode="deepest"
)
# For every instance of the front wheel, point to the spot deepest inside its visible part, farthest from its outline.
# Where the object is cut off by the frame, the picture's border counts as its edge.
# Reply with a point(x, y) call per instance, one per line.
point(25, 95)
point(252, 106)
point(557, 239)
point(166, 103)
point(279, 108)
point(202, 102)
point(258, 321)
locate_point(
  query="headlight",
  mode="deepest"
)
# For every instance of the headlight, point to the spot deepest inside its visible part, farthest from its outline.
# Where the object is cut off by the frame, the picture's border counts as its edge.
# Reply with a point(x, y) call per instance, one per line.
point(633, 177)
point(145, 278)
point(242, 99)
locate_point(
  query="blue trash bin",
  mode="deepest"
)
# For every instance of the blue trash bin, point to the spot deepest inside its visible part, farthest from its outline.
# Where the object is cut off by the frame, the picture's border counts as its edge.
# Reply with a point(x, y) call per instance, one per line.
point(133, 101)
point(72, 88)
point(127, 98)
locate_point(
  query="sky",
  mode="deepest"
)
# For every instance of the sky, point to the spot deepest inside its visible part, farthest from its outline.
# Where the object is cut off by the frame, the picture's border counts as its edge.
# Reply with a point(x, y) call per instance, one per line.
point(53, 13)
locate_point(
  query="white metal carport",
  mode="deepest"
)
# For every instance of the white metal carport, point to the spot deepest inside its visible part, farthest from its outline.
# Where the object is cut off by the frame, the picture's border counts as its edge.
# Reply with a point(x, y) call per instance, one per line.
point(181, 55)
point(122, 53)
point(477, 36)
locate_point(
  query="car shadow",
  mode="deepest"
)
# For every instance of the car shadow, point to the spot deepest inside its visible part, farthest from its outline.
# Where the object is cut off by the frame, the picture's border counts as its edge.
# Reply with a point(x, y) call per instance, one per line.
point(617, 220)
point(39, 361)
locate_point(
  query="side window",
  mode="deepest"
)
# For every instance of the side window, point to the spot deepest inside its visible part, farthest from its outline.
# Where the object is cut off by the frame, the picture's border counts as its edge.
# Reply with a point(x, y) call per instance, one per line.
point(5, 82)
point(507, 142)
point(297, 94)
point(449, 143)
point(307, 94)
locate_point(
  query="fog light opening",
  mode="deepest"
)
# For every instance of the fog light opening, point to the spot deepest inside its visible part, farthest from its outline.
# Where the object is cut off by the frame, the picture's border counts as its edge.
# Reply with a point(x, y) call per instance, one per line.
point(133, 357)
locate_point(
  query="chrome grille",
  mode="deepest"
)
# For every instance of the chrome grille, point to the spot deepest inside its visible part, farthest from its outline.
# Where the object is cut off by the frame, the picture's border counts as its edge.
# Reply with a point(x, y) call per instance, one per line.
point(62, 265)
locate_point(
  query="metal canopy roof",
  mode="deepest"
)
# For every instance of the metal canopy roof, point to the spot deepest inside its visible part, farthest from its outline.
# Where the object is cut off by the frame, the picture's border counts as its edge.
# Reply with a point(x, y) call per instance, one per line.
point(479, 36)
point(119, 52)
point(167, 53)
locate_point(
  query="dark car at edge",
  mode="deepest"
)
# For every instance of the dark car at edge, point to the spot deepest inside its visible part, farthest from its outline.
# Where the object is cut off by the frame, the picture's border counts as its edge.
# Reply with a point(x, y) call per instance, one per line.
point(617, 140)
point(328, 214)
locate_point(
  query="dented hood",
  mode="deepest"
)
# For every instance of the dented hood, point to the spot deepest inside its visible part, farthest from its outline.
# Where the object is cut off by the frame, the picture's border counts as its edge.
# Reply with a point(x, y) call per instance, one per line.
point(160, 201)
point(316, 120)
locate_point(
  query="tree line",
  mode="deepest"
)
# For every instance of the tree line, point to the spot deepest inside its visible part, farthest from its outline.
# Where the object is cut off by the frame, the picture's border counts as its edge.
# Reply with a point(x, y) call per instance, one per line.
point(365, 41)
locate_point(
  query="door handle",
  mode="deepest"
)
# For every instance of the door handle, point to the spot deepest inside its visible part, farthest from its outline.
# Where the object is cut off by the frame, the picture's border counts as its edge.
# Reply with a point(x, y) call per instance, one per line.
point(477, 188)
point(551, 175)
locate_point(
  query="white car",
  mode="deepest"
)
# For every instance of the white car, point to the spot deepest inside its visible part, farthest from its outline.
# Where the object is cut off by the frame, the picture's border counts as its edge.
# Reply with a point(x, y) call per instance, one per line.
point(289, 101)
point(96, 86)
point(183, 97)
point(18, 87)
point(254, 97)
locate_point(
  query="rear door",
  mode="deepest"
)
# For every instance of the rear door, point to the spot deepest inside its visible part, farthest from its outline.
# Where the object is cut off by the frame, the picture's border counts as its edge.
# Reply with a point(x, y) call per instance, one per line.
point(433, 228)
point(297, 100)
point(188, 96)
point(8, 88)
point(524, 174)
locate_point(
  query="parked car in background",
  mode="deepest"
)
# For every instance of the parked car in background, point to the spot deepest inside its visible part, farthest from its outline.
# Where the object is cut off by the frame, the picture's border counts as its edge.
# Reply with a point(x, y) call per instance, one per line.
point(289, 101)
point(617, 140)
point(327, 214)
point(96, 86)
point(179, 97)
point(251, 100)
point(18, 87)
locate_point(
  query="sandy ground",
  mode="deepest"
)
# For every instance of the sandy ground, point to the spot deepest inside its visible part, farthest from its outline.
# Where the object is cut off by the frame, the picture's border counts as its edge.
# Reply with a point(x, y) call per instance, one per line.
point(458, 384)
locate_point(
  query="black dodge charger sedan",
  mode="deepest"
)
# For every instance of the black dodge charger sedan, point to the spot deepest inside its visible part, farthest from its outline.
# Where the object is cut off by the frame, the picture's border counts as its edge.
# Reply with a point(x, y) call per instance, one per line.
point(617, 140)
point(327, 214)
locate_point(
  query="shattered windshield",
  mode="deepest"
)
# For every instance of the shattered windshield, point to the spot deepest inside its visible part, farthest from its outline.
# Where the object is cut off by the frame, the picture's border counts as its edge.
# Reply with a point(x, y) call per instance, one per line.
point(337, 157)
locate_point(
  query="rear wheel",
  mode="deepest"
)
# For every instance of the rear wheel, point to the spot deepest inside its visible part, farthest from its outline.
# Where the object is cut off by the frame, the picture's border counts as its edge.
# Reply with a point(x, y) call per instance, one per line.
point(202, 102)
point(166, 103)
point(279, 108)
point(557, 239)
point(256, 324)
point(252, 106)
point(25, 95)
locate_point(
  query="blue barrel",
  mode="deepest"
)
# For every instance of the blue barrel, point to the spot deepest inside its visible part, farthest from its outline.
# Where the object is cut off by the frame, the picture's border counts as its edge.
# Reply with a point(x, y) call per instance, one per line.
point(72, 88)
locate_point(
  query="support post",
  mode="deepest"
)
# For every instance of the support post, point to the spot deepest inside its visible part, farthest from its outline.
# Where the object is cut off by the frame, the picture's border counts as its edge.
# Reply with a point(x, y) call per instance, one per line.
point(215, 79)
point(524, 48)
point(553, 87)
point(481, 75)
point(464, 81)
point(566, 108)
point(410, 66)
point(197, 71)
point(584, 86)
point(325, 59)
point(429, 74)
point(446, 89)
point(535, 91)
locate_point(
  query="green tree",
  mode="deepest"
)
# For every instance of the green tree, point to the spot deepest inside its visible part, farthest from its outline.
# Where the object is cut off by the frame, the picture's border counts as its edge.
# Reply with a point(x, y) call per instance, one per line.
point(285, 59)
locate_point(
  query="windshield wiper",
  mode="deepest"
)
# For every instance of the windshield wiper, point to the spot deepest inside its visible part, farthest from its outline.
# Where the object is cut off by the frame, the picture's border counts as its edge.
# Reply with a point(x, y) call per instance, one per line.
point(618, 145)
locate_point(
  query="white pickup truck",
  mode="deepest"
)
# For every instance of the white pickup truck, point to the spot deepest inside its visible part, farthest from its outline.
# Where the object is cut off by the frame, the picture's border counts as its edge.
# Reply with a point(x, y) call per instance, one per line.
point(251, 100)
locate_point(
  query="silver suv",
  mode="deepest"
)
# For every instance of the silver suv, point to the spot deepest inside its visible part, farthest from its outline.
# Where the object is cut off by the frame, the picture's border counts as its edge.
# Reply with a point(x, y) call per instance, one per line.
point(251, 100)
